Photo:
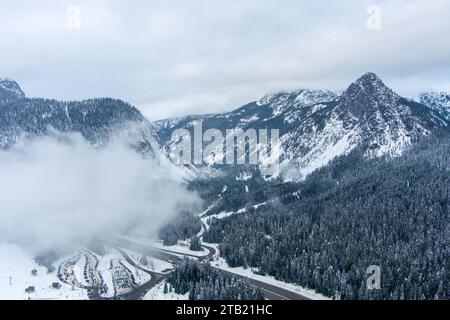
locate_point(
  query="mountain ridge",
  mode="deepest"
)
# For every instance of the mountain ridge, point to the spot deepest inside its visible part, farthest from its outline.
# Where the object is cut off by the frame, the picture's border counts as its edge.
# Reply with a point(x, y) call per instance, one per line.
point(97, 120)
point(315, 125)
point(367, 115)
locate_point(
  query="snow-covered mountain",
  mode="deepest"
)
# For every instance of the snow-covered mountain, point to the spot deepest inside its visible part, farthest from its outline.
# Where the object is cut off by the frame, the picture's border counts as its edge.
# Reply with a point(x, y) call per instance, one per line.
point(9, 91)
point(369, 116)
point(316, 125)
point(167, 126)
point(97, 120)
point(439, 101)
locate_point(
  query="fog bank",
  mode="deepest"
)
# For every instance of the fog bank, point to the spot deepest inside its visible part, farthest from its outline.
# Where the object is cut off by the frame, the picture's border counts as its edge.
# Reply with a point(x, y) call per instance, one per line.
point(57, 191)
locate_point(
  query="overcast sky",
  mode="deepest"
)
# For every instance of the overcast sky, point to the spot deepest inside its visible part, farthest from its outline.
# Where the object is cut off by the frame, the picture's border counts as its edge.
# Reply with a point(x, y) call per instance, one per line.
point(176, 57)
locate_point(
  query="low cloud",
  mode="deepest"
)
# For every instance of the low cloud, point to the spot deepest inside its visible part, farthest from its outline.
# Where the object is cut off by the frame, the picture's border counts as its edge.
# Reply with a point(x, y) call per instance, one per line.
point(59, 191)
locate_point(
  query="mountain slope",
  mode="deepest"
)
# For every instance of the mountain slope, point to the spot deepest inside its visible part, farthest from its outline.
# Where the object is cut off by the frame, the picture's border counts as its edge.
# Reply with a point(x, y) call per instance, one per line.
point(354, 213)
point(271, 111)
point(438, 101)
point(369, 116)
point(97, 120)
point(9, 91)
point(316, 126)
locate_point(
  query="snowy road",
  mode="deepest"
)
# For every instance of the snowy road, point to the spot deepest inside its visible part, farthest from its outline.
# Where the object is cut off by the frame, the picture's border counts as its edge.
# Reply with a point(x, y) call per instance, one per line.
point(270, 291)
point(139, 292)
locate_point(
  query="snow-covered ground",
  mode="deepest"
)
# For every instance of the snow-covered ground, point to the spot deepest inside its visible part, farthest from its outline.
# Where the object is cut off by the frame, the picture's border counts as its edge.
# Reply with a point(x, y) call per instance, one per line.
point(113, 259)
point(78, 271)
point(181, 248)
point(157, 293)
point(15, 276)
point(223, 215)
point(149, 263)
point(106, 274)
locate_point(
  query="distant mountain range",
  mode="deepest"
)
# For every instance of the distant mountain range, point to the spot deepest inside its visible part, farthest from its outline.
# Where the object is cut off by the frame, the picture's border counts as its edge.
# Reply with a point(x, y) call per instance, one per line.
point(318, 125)
point(315, 125)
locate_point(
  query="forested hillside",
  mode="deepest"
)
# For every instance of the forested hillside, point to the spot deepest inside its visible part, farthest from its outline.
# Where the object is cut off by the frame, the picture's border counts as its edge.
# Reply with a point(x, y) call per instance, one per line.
point(203, 282)
point(394, 213)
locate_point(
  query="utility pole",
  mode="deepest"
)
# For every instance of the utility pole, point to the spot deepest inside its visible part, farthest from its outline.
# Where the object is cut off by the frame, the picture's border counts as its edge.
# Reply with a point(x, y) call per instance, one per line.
point(10, 280)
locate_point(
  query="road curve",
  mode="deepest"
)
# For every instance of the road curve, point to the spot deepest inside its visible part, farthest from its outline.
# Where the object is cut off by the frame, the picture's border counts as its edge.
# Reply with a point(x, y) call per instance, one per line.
point(139, 292)
point(270, 291)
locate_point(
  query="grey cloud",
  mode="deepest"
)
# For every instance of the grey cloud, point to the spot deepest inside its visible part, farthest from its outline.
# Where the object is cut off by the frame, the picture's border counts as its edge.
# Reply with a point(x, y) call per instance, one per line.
point(176, 57)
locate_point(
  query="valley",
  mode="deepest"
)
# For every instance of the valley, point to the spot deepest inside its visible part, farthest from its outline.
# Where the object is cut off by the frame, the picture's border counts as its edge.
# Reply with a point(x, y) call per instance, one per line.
point(363, 180)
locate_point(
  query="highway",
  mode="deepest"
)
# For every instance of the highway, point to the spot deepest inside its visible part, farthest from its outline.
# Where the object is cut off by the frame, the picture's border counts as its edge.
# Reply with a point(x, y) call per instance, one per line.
point(139, 292)
point(270, 291)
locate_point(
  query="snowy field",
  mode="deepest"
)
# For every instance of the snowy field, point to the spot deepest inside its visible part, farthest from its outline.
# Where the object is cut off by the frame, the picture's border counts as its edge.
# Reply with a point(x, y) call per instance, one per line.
point(113, 259)
point(157, 293)
point(222, 215)
point(15, 276)
point(80, 271)
point(182, 247)
point(17, 265)
point(149, 263)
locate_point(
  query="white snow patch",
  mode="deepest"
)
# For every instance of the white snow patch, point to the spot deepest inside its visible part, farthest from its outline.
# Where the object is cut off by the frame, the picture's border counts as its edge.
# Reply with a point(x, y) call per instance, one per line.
point(15, 276)
point(157, 293)
point(181, 248)
point(244, 176)
point(149, 263)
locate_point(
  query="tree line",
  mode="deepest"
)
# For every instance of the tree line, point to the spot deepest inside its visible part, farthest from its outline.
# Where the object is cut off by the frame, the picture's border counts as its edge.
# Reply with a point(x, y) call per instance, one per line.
point(204, 282)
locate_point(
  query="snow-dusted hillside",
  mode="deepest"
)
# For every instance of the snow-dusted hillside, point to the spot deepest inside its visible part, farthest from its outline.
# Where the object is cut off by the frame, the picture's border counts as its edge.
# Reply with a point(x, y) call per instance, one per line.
point(439, 101)
point(368, 116)
point(317, 125)
point(99, 121)
point(10, 91)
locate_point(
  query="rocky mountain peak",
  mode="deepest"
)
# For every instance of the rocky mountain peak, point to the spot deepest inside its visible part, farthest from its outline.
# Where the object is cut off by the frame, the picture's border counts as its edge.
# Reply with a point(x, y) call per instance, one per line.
point(369, 85)
point(367, 95)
